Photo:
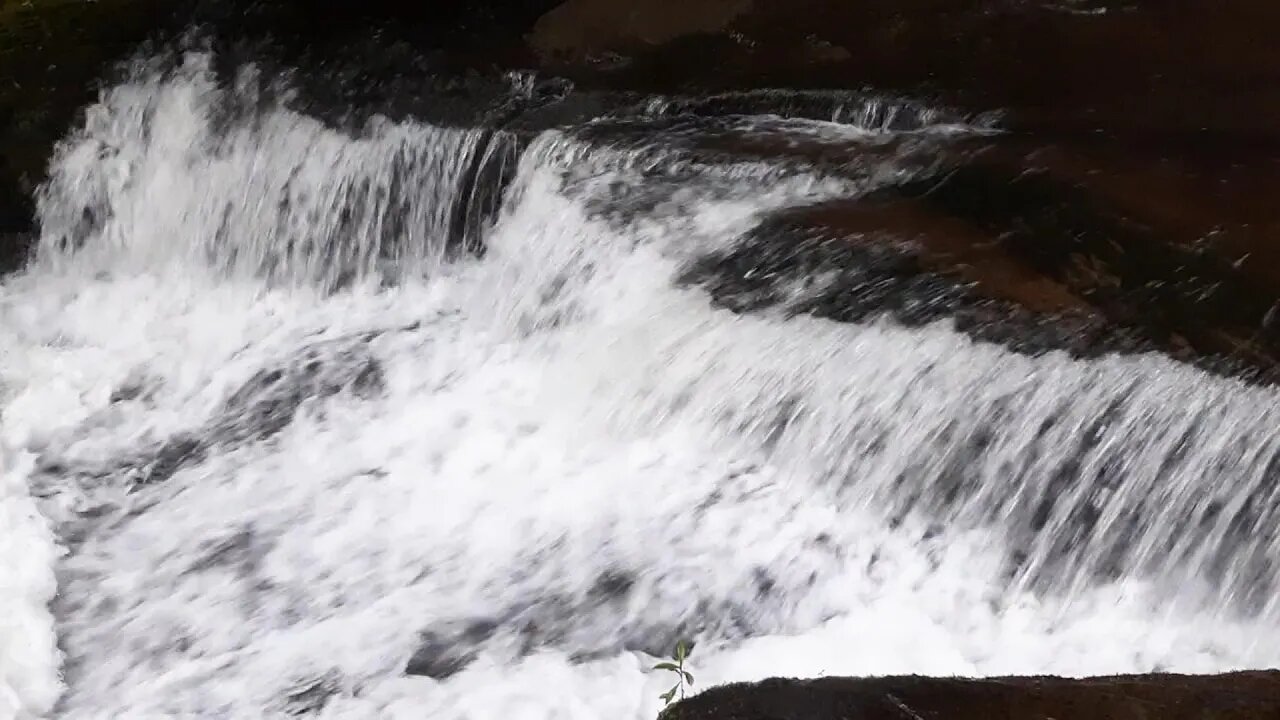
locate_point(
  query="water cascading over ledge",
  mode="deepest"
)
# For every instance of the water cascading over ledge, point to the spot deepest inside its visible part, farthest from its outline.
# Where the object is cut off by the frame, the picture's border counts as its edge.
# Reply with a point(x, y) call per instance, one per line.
point(264, 192)
point(307, 455)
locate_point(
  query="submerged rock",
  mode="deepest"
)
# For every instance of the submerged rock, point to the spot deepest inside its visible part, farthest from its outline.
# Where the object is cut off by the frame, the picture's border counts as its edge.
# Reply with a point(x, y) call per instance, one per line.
point(1235, 696)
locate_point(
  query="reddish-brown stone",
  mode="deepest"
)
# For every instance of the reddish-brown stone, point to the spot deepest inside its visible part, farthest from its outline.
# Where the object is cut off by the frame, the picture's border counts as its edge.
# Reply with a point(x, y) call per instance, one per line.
point(1236, 696)
point(1132, 66)
point(1136, 183)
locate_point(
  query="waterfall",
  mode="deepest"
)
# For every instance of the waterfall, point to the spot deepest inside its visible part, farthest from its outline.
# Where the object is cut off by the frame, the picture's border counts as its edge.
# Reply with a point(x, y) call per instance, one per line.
point(421, 421)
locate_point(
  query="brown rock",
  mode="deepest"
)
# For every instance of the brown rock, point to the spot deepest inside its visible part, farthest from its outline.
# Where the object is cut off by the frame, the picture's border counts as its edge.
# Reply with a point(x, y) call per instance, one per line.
point(1134, 66)
point(1236, 696)
point(1146, 243)
point(1122, 247)
point(581, 28)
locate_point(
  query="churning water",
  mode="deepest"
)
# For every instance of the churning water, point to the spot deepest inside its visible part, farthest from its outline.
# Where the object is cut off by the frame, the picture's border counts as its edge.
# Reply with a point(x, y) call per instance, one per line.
point(303, 427)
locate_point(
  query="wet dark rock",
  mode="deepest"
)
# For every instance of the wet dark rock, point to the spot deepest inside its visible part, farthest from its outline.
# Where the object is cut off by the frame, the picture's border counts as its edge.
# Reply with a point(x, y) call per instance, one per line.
point(269, 401)
point(265, 405)
point(491, 170)
point(1114, 262)
point(611, 585)
point(240, 550)
point(1123, 69)
point(1134, 189)
point(1026, 245)
point(600, 621)
point(134, 388)
point(1234, 696)
point(593, 26)
point(174, 455)
point(799, 264)
point(440, 656)
point(434, 659)
point(15, 246)
point(1093, 251)
point(311, 696)
point(16, 210)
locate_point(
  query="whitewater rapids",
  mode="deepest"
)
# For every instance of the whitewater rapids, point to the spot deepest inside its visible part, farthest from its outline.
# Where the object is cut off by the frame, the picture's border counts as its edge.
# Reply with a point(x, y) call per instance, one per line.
point(283, 431)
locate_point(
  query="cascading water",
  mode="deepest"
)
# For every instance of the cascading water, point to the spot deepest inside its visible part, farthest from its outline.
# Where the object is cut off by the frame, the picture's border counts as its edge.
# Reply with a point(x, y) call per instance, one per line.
point(303, 453)
point(165, 174)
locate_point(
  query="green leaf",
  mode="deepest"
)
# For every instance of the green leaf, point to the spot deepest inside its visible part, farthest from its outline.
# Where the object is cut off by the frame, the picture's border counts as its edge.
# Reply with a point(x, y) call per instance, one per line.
point(681, 652)
point(688, 677)
point(666, 666)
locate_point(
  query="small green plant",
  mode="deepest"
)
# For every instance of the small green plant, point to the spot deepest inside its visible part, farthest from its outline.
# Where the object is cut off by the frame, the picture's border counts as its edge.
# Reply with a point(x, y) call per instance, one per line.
point(676, 665)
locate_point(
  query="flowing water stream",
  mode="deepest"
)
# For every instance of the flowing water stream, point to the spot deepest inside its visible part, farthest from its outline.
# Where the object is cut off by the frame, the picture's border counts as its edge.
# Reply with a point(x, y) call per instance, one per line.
point(435, 422)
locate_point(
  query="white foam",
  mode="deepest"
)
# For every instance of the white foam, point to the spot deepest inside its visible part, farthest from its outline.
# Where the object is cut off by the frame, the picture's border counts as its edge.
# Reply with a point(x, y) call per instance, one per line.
point(557, 413)
point(30, 682)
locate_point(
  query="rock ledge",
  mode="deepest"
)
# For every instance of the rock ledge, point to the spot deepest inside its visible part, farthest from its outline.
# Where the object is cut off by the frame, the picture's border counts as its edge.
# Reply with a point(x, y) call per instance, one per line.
point(1233, 696)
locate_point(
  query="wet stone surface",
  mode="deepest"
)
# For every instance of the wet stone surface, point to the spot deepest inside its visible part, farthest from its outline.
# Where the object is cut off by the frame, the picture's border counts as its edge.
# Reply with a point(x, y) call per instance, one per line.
point(1240, 696)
